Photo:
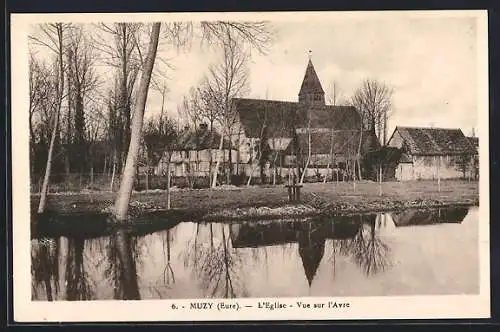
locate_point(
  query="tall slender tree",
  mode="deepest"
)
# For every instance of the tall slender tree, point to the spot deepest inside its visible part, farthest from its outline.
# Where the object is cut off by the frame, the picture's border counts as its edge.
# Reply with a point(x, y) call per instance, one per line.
point(53, 37)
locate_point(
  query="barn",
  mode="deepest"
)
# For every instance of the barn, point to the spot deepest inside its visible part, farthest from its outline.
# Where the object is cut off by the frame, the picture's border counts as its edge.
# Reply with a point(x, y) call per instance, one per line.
point(432, 153)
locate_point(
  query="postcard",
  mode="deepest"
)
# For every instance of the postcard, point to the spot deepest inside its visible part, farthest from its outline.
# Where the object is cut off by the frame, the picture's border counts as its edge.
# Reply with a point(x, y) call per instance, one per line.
point(250, 166)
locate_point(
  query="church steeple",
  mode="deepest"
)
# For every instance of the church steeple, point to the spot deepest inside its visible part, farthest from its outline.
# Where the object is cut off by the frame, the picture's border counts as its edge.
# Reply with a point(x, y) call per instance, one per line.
point(311, 91)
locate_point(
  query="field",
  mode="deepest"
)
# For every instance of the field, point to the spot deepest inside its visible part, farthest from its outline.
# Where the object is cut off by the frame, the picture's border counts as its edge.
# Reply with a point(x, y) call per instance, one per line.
point(341, 197)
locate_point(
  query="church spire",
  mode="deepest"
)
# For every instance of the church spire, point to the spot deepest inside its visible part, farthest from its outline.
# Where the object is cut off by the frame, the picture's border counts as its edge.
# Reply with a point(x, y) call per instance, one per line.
point(311, 90)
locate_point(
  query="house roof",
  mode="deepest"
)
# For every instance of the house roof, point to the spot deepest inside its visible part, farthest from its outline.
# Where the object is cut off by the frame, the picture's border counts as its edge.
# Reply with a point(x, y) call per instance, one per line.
point(434, 141)
point(200, 139)
point(311, 83)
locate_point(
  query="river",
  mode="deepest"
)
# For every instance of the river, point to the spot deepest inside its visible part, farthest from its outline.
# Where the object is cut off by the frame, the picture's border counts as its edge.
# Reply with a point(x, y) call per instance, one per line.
point(416, 252)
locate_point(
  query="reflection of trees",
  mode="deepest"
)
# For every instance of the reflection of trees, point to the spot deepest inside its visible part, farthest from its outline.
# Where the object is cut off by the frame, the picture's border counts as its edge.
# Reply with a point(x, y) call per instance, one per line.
point(216, 264)
point(57, 266)
point(78, 287)
point(168, 272)
point(368, 251)
point(121, 269)
point(44, 268)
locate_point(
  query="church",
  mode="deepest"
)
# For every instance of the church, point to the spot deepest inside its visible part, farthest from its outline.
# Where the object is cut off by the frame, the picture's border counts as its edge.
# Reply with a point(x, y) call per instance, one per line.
point(307, 136)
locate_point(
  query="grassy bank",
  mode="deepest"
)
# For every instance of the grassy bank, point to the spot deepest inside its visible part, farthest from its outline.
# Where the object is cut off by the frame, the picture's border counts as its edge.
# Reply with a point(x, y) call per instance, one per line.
point(246, 202)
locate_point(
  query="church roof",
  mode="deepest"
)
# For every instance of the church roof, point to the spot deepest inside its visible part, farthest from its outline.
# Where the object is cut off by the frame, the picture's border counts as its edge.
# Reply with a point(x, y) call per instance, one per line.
point(281, 117)
point(257, 115)
point(311, 83)
point(345, 142)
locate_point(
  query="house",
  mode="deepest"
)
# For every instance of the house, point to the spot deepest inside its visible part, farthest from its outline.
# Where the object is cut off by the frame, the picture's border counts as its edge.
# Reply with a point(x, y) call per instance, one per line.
point(432, 153)
point(289, 134)
point(197, 152)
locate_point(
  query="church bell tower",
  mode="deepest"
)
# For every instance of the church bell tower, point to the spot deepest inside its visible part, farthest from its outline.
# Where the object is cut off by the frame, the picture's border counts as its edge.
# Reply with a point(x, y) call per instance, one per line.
point(311, 92)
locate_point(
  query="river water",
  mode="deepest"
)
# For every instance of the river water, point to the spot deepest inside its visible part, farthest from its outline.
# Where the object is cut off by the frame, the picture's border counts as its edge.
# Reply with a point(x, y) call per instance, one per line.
point(416, 252)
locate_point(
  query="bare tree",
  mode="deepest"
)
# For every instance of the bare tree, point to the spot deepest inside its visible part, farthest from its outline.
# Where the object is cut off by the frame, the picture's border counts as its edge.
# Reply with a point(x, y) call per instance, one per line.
point(259, 159)
point(373, 99)
point(53, 37)
point(333, 96)
point(122, 53)
point(226, 80)
point(160, 138)
point(252, 34)
point(42, 97)
point(82, 80)
point(127, 181)
point(309, 150)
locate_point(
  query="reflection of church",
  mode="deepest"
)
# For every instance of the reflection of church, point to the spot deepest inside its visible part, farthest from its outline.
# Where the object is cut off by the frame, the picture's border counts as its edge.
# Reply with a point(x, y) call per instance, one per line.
point(310, 236)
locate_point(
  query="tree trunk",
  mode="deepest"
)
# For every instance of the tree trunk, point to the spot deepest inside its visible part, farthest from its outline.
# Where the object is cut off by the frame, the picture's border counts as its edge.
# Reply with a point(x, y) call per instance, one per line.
point(68, 129)
point(113, 175)
point(380, 180)
point(60, 89)
point(214, 180)
point(127, 181)
point(330, 159)
point(168, 182)
point(308, 155)
point(91, 176)
point(230, 162)
point(45, 184)
point(359, 148)
point(438, 173)
point(147, 178)
point(62, 261)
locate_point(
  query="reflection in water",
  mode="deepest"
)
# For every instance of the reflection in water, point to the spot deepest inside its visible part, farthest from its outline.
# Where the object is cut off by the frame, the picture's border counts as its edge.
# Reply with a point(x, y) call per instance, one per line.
point(268, 258)
point(216, 264)
point(122, 266)
point(428, 217)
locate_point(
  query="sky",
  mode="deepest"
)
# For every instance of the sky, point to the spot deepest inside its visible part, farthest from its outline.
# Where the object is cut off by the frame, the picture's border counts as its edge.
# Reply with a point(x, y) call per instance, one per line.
point(429, 62)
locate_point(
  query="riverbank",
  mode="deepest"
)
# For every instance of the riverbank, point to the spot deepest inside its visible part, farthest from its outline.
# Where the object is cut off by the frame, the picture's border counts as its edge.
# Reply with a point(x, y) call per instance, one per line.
point(235, 203)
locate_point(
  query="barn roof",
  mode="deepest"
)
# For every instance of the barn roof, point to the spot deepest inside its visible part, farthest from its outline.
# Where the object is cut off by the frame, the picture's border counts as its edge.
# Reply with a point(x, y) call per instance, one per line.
point(200, 139)
point(279, 118)
point(311, 83)
point(434, 141)
point(474, 141)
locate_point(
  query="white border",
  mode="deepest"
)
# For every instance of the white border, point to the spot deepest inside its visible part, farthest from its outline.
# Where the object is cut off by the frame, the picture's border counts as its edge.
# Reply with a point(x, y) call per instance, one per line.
point(412, 307)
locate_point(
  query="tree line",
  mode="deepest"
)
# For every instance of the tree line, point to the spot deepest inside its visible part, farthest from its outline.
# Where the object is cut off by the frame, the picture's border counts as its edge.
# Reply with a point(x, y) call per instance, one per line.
point(89, 86)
